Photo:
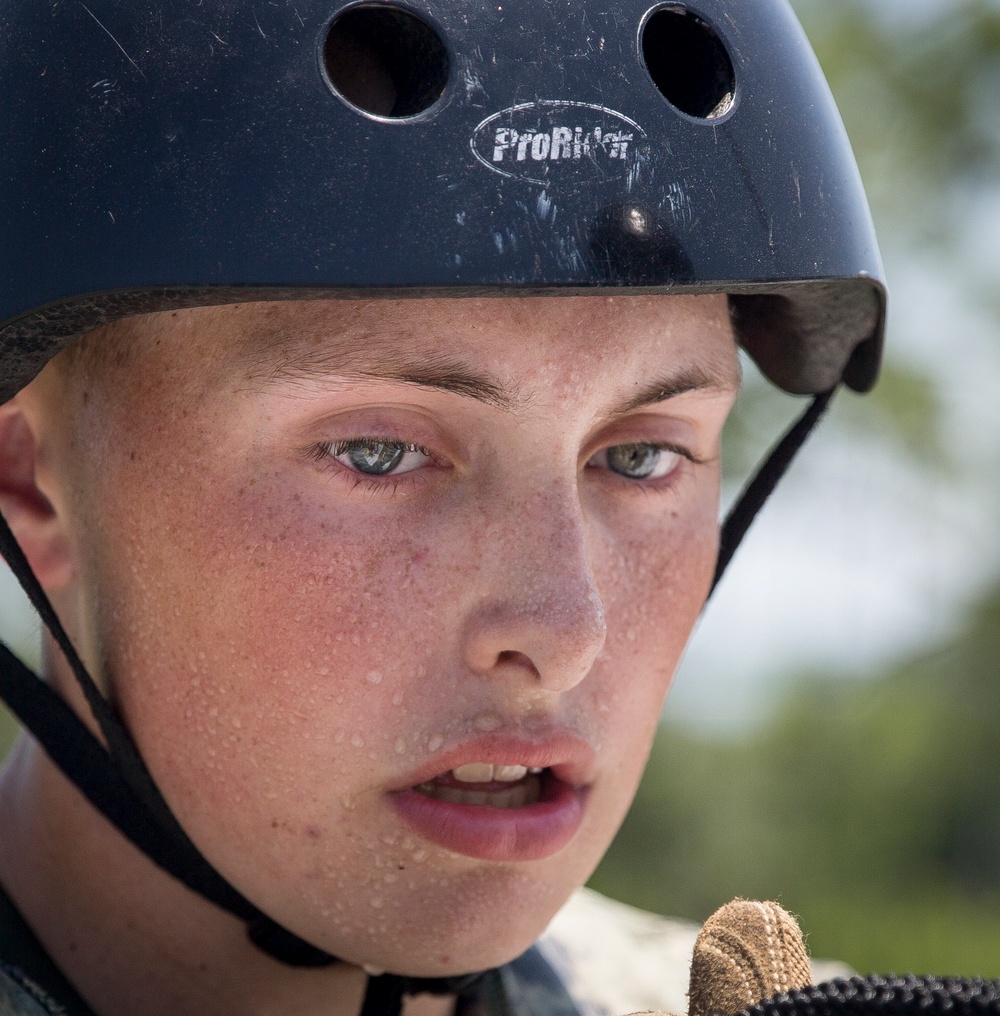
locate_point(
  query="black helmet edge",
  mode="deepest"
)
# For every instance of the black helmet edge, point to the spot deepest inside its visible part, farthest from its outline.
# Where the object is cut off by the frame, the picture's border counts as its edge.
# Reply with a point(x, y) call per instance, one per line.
point(805, 336)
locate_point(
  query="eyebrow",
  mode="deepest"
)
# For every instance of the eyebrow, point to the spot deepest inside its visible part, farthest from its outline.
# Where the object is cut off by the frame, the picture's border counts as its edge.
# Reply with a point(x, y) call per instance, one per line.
point(443, 373)
point(692, 379)
point(434, 371)
point(453, 378)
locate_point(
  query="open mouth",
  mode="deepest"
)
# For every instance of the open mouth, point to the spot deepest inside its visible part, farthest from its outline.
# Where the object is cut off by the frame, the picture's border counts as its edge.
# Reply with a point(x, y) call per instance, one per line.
point(501, 797)
point(481, 783)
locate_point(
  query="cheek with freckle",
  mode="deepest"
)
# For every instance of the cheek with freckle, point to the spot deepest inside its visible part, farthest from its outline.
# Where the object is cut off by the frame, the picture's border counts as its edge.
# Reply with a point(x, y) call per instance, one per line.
point(308, 628)
point(311, 649)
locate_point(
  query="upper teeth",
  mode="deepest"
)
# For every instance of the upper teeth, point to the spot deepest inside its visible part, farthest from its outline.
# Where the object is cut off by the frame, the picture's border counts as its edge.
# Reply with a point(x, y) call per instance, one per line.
point(483, 772)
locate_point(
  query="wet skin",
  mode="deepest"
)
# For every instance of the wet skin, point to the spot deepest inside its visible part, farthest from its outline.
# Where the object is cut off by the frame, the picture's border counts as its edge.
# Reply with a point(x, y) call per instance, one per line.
point(296, 643)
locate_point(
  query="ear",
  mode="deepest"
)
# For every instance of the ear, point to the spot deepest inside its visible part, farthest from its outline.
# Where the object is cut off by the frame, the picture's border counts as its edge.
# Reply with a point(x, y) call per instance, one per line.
point(33, 519)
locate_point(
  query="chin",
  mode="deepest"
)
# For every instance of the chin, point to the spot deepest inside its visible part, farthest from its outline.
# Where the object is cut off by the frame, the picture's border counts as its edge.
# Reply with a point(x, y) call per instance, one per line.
point(439, 958)
point(463, 930)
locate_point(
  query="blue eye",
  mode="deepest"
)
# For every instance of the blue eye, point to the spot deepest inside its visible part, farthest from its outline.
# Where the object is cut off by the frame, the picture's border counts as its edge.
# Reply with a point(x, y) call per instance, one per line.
point(375, 457)
point(637, 461)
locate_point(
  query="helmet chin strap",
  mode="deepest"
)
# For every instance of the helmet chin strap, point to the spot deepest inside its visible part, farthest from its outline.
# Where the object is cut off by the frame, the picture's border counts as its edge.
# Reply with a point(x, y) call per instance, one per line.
point(759, 489)
point(117, 783)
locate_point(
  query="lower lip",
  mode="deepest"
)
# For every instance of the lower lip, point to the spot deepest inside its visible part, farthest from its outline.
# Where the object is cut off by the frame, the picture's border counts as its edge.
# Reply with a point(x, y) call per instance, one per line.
point(531, 833)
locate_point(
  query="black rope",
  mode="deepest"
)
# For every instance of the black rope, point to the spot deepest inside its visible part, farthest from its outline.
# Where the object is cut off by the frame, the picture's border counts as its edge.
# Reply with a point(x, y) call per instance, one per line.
point(759, 489)
point(887, 995)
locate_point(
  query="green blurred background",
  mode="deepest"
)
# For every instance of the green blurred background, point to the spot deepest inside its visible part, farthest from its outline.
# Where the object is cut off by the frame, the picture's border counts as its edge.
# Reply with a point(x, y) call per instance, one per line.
point(832, 742)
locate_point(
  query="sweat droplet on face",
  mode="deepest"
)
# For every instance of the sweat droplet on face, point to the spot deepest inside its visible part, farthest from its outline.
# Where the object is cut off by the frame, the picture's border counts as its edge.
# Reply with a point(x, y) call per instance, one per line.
point(434, 742)
point(373, 676)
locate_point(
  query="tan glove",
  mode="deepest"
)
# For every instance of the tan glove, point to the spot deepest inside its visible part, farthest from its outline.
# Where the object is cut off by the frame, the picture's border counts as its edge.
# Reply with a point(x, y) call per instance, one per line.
point(746, 952)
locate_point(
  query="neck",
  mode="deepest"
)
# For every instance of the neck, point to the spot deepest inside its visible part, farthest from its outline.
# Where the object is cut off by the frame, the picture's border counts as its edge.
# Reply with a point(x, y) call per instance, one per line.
point(127, 935)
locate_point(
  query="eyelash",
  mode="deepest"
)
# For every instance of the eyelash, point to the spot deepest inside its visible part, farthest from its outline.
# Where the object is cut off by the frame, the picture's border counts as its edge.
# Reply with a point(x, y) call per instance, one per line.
point(684, 453)
point(666, 446)
point(326, 454)
point(339, 447)
point(650, 484)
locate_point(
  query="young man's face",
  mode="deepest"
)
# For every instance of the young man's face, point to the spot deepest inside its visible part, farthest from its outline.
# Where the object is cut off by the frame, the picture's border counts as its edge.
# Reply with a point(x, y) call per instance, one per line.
point(337, 559)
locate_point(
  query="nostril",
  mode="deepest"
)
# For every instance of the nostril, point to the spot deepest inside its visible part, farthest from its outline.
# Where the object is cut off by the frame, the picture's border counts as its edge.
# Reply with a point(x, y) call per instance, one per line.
point(511, 656)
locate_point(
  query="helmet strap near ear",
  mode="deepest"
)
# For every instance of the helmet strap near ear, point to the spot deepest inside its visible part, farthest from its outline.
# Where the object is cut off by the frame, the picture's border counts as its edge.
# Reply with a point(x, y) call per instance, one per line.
point(383, 995)
point(759, 489)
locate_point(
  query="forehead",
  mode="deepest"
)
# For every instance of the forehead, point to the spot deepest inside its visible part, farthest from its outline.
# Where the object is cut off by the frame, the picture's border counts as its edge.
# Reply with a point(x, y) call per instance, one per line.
point(257, 343)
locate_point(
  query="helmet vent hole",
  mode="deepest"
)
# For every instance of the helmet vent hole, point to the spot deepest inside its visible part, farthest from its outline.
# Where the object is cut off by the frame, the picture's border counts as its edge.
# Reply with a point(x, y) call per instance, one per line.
point(385, 61)
point(688, 63)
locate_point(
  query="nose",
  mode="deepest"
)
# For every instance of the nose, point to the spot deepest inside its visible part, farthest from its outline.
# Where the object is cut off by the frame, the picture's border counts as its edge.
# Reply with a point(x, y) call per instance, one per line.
point(537, 606)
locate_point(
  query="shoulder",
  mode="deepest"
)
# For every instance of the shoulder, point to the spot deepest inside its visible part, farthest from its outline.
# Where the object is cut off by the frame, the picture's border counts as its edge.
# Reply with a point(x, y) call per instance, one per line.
point(616, 959)
point(21, 997)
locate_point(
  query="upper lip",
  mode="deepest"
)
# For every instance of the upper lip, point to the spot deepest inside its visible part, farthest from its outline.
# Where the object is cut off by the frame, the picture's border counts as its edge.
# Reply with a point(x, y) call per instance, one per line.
point(567, 755)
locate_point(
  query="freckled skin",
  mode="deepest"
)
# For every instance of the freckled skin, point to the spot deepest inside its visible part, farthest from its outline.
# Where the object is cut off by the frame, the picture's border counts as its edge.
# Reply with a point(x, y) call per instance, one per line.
point(286, 646)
